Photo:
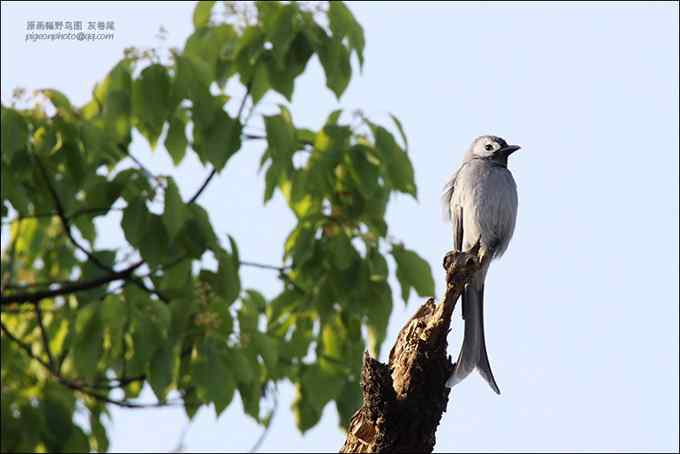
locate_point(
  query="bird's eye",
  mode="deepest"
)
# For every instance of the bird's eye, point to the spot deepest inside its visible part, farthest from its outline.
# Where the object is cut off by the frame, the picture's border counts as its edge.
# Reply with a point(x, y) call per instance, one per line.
point(488, 147)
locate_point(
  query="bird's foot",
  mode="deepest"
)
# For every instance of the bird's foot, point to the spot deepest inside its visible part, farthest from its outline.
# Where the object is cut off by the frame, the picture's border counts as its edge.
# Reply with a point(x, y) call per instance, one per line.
point(470, 257)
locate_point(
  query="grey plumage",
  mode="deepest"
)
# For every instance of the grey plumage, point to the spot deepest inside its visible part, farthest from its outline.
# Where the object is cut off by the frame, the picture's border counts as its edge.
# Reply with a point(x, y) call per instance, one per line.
point(485, 190)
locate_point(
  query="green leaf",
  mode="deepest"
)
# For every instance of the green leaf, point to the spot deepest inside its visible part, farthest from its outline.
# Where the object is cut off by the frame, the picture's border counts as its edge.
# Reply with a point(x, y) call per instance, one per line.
point(58, 423)
point(280, 137)
point(226, 282)
point(343, 24)
point(99, 434)
point(334, 337)
point(88, 347)
point(333, 117)
point(251, 393)
point(151, 101)
point(77, 441)
point(268, 350)
point(272, 178)
point(177, 279)
point(378, 266)
point(260, 84)
point(135, 221)
point(58, 100)
point(256, 299)
point(100, 192)
point(336, 64)
point(212, 377)
point(182, 310)
point(198, 234)
point(300, 244)
point(243, 368)
point(348, 402)
point(14, 134)
point(209, 49)
point(150, 321)
point(202, 13)
point(176, 213)
point(282, 32)
point(156, 245)
point(233, 247)
point(162, 370)
point(306, 415)
point(225, 325)
point(342, 251)
point(176, 140)
point(301, 339)
point(319, 386)
point(219, 141)
point(378, 308)
point(113, 315)
point(228, 273)
point(399, 167)
point(412, 272)
point(400, 128)
point(299, 54)
point(248, 316)
point(192, 81)
point(86, 227)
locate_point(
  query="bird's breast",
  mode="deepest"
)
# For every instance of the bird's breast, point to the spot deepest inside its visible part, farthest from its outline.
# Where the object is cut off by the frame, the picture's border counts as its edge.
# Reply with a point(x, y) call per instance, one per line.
point(487, 195)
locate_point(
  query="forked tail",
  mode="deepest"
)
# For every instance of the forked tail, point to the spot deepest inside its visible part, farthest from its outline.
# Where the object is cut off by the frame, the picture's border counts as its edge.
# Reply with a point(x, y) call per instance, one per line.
point(473, 352)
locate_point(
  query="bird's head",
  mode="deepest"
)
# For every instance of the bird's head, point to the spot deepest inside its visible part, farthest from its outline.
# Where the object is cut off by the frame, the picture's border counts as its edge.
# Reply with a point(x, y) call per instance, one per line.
point(492, 148)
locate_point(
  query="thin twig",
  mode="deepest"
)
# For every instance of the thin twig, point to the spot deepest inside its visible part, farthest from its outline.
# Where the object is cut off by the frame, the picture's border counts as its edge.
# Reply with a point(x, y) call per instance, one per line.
point(180, 443)
point(265, 432)
point(214, 171)
point(43, 334)
point(264, 266)
point(24, 346)
point(141, 166)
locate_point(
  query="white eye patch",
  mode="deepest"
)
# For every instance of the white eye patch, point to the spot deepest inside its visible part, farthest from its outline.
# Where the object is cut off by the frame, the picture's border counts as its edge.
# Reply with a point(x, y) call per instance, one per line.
point(485, 148)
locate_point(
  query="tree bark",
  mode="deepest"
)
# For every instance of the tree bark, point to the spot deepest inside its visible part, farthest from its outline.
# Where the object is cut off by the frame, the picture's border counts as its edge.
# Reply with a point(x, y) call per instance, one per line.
point(403, 401)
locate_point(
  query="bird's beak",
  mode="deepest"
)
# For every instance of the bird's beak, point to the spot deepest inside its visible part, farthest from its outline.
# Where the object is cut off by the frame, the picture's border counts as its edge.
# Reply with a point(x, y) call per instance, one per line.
point(509, 149)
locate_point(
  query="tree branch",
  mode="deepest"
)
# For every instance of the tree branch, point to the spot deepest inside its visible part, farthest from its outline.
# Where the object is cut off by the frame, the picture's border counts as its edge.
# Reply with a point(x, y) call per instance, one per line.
point(75, 214)
point(80, 387)
point(403, 401)
point(64, 220)
point(67, 229)
point(32, 297)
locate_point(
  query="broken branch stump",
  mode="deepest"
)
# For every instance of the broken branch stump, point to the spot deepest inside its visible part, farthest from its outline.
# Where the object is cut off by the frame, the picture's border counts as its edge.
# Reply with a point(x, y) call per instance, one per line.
point(403, 401)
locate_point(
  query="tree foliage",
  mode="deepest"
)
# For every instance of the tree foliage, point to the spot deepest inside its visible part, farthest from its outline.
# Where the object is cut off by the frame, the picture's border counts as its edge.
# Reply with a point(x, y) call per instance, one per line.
point(84, 328)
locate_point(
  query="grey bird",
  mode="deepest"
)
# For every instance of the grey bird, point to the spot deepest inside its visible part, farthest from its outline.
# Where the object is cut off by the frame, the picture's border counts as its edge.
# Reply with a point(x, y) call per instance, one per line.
point(482, 198)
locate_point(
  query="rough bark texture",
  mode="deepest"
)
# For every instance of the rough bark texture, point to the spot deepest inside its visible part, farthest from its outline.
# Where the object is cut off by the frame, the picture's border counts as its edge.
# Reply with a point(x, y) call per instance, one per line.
point(403, 401)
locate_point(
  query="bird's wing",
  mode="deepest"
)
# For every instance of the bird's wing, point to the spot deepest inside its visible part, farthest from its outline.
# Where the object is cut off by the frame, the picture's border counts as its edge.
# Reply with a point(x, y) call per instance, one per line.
point(446, 196)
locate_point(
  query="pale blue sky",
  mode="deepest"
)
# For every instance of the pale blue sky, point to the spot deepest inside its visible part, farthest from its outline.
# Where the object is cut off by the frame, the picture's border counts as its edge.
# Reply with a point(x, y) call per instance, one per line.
point(582, 311)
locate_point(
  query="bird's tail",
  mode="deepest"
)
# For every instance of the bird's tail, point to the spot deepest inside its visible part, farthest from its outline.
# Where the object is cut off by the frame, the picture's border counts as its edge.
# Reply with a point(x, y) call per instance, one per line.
point(473, 353)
